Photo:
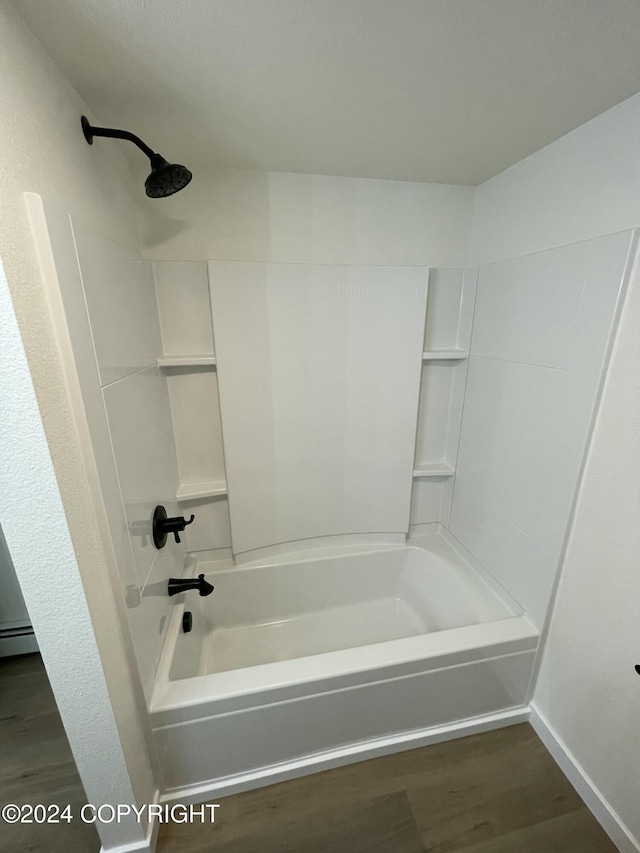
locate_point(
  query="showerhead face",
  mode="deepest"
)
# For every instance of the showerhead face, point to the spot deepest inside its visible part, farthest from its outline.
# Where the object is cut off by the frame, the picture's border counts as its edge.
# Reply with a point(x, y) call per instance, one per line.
point(165, 178)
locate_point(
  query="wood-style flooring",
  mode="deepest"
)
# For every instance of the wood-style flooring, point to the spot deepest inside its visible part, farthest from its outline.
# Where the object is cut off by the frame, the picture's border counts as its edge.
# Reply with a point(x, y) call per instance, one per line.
point(498, 792)
point(36, 764)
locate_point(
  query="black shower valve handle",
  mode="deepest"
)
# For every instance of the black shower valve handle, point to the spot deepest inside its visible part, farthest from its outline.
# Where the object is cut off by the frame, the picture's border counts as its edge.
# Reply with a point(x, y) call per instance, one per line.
point(162, 526)
point(176, 525)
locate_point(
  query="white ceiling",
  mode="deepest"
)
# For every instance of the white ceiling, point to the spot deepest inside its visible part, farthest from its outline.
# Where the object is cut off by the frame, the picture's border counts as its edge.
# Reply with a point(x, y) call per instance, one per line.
point(449, 91)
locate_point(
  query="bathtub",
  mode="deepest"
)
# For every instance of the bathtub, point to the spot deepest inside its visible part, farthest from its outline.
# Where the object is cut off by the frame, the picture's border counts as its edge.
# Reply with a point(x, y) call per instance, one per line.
point(311, 660)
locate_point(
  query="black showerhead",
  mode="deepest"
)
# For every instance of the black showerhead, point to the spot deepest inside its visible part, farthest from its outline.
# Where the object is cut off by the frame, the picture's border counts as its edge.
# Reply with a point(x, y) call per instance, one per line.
point(165, 178)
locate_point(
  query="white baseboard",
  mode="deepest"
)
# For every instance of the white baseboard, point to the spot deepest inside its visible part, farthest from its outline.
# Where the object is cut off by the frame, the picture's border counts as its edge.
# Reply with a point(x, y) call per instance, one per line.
point(145, 846)
point(339, 757)
point(594, 800)
point(148, 845)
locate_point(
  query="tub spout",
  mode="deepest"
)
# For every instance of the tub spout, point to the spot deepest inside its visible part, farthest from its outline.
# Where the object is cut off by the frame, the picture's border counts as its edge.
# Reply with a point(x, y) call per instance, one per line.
point(176, 585)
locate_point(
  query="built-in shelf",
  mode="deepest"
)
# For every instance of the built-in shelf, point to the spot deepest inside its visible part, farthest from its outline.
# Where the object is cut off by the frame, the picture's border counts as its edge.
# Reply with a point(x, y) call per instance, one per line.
point(187, 361)
point(445, 355)
point(192, 491)
point(433, 469)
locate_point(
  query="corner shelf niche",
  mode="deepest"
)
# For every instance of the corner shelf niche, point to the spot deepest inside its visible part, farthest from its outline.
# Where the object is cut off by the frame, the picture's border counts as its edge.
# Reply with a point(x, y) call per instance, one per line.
point(447, 338)
point(188, 364)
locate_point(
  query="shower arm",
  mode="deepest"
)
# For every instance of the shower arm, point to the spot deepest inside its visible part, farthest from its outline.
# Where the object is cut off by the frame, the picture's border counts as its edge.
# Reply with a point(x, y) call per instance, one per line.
point(90, 131)
point(165, 178)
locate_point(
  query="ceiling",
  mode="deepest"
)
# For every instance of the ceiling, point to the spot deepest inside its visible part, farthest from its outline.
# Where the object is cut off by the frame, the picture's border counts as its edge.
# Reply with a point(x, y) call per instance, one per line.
point(446, 91)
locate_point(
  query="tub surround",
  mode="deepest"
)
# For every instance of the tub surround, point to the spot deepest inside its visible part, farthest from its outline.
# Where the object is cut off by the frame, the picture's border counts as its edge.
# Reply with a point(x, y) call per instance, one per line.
point(323, 649)
point(512, 361)
point(192, 374)
point(111, 319)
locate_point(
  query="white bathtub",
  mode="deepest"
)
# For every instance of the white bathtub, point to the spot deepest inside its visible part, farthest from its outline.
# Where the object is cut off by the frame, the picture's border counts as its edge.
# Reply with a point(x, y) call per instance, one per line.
point(304, 663)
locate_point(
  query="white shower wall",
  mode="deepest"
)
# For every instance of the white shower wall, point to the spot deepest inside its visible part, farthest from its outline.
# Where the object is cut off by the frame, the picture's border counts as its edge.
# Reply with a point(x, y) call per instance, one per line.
point(241, 215)
point(537, 333)
point(122, 313)
point(539, 342)
point(111, 314)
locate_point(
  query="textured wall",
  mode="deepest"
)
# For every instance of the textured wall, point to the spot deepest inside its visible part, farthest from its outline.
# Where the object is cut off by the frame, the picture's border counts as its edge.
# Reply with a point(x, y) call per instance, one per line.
point(43, 151)
point(41, 547)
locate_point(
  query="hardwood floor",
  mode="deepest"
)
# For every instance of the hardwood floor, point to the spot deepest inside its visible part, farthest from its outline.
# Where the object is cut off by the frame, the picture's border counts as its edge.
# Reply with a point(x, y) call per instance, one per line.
point(36, 764)
point(498, 792)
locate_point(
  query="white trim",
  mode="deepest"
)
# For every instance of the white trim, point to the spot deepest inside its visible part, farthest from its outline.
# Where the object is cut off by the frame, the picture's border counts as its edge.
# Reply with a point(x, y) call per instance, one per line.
point(593, 798)
point(148, 845)
point(142, 847)
point(344, 755)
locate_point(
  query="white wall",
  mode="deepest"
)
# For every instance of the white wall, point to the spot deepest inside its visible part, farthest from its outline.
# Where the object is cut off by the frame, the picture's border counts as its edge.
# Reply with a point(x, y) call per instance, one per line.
point(43, 151)
point(585, 185)
point(39, 542)
point(288, 218)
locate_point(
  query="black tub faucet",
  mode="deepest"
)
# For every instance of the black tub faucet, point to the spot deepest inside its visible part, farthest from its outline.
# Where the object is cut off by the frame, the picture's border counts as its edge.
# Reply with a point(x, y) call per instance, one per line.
point(176, 585)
